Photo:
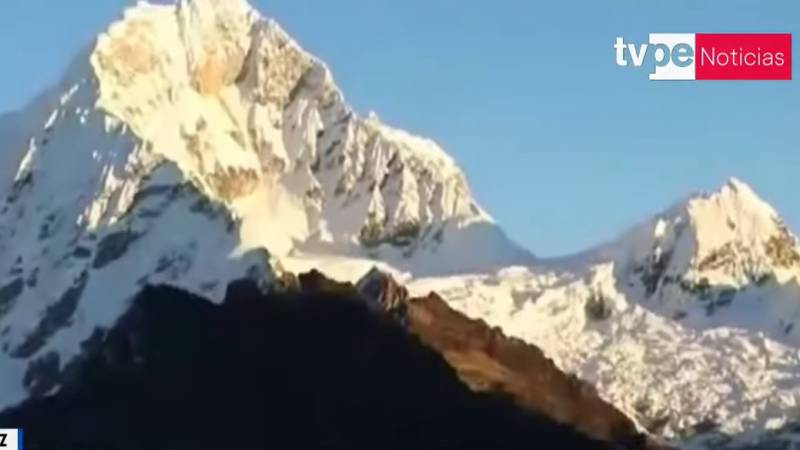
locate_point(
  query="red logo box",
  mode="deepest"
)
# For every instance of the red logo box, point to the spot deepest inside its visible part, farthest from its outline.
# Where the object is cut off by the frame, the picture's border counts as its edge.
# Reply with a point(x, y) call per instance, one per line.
point(743, 56)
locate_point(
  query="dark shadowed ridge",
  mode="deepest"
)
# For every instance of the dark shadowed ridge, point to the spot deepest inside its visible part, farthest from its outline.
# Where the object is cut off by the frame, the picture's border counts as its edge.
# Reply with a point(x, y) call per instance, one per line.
point(303, 369)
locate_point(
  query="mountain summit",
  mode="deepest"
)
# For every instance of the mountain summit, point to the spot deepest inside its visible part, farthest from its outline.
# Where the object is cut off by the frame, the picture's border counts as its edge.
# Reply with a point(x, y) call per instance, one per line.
point(193, 144)
point(730, 237)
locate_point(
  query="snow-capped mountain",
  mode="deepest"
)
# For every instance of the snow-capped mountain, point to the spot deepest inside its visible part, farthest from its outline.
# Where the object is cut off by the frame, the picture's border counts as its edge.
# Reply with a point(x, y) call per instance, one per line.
point(725, 257)
point(687, 322)
point(193, 144)
point(196, 143)
point(730, 237)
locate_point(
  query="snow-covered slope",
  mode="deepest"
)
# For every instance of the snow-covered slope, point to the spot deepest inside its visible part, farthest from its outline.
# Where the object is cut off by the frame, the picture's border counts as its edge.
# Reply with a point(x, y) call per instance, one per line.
point(193, 144)
point(688, 322)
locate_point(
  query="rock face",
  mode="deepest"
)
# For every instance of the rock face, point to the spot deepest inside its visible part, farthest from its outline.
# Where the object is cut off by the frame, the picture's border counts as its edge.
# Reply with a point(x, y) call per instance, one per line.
point(489, 361)
point(312, 368)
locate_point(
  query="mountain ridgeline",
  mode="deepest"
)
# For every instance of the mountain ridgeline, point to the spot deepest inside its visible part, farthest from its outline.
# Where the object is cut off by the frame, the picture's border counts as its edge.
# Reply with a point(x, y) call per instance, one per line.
point(318, 365)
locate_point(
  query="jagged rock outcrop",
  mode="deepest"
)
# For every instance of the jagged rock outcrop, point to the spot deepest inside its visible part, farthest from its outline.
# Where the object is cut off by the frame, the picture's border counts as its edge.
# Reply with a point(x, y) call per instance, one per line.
point(489, 361)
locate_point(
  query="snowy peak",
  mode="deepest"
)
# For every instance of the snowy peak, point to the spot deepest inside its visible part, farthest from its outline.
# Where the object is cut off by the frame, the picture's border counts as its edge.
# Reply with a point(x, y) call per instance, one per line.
point(733, 214)
point(244, 112)
point(244, 115)
point(730, 238)
point(193, 144)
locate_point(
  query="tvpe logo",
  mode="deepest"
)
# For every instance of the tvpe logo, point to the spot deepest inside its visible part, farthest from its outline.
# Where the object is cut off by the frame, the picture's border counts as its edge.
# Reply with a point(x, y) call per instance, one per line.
point(703, 56)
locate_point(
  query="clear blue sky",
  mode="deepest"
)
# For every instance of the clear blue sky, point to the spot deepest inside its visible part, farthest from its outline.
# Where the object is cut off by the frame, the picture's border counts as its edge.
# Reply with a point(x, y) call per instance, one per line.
point(564, 148)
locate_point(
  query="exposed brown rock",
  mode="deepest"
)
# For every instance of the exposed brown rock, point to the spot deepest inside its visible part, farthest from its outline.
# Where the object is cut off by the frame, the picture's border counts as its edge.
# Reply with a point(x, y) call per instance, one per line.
point(720, 257)
point(489, 361)
point(782, 249)
point(231, 183)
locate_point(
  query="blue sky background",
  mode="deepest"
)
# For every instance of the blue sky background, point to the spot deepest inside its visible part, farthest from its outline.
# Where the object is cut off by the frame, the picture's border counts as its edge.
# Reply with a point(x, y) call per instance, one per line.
point(563, 147)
